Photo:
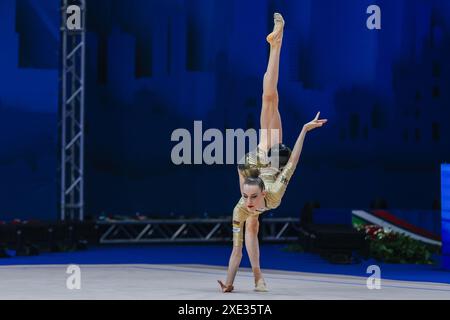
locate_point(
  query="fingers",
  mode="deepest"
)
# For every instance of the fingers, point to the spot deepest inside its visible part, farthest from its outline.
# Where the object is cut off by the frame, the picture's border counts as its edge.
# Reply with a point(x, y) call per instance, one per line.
point(316, 123)
point(319, 122)
point(222, 285)
point(317, 116)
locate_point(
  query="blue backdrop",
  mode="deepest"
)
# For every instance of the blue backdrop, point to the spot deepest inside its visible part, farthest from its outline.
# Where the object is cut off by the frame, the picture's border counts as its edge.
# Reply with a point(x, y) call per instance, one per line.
point(154, 66)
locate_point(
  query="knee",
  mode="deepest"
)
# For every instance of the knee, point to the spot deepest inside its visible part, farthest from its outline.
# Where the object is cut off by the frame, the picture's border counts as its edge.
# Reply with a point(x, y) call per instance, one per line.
point(270, 96)
point(252, 228)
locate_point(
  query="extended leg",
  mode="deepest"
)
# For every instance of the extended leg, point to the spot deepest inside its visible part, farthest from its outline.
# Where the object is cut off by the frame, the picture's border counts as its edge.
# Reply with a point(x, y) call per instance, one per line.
point(276, 128)
point(270, 117)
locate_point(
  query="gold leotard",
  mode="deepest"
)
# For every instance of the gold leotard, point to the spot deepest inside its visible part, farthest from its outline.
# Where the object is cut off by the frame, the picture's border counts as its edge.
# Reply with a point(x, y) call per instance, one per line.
point(259, 159)
point(275, 187)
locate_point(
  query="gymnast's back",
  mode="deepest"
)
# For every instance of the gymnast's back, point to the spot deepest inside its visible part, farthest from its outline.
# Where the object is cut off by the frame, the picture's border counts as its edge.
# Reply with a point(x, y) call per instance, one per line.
point(258, 162)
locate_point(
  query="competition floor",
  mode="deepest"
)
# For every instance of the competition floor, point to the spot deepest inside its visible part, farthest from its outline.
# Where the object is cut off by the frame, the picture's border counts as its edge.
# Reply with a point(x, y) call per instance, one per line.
point(175, 272)
point(197, 282)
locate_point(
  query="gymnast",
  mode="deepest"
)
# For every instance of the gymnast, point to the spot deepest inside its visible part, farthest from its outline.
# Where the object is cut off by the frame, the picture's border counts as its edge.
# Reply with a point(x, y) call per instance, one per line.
point(263, 182)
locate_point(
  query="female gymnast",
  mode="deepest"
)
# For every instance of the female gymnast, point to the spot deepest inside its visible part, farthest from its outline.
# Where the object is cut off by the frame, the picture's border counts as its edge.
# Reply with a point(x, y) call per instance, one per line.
point(262, 184)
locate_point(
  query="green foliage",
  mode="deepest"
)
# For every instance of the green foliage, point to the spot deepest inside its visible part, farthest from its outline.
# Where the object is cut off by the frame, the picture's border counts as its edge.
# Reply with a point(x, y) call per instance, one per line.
point(392, 247)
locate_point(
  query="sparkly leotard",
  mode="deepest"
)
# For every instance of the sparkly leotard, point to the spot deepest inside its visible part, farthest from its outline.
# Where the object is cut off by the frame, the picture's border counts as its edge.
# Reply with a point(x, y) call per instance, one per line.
point(275, 183)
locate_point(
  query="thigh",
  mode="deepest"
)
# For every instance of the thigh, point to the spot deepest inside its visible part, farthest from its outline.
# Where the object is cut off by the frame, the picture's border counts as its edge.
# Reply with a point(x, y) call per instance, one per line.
point(268, 112)
point(277, 129)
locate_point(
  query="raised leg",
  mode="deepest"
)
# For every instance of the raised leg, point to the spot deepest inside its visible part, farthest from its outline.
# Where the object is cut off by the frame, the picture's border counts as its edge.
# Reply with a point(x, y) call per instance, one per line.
point(276, 129)
point(270, 116)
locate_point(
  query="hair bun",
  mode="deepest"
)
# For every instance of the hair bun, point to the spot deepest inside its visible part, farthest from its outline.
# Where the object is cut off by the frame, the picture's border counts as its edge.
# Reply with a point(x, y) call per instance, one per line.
point(253, 172)
point(249, 171)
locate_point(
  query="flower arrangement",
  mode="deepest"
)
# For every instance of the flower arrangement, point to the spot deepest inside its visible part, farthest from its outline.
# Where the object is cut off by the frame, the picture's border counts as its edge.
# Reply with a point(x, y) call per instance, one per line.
point(393, 247)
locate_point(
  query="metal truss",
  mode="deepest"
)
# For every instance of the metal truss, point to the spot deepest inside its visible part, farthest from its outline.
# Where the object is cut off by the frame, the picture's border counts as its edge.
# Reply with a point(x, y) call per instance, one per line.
point(72, 88)
point(191, 230)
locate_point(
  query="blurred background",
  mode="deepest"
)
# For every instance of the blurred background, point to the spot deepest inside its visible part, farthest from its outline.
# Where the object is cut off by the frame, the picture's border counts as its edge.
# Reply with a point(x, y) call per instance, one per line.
point(376, 179)
point(155, 66)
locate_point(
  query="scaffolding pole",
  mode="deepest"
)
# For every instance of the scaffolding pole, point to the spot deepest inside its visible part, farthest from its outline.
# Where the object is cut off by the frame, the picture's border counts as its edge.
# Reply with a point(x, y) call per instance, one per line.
point(72, 86)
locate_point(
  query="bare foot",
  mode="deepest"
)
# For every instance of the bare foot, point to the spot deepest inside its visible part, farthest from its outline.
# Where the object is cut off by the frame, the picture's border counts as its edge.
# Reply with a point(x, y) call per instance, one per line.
point(277, 34)
point(225, 288)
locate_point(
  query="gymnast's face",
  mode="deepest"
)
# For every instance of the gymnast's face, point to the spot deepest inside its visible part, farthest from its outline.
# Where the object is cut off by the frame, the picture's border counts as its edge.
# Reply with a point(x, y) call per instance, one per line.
point(253, 197)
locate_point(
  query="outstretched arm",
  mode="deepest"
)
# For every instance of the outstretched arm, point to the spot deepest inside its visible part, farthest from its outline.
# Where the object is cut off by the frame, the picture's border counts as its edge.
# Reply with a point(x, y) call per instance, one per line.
point(233, 266)
point(316, 123)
